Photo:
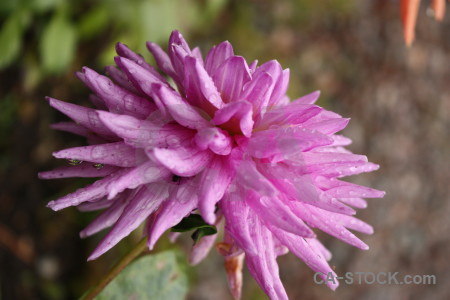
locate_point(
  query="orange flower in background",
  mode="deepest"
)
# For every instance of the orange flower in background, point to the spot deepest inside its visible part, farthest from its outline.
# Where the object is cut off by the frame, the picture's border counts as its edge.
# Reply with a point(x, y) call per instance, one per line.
point(409, 11)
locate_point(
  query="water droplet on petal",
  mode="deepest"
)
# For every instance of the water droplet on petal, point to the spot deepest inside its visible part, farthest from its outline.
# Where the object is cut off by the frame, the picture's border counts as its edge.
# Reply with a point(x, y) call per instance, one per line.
point(98, 166)
point(74, 162)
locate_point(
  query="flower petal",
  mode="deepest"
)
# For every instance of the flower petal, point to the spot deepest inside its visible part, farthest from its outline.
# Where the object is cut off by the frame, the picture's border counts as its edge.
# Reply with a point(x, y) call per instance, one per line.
point(230, 78)
point(144, 202)
point(201, 249)
point(115, 154)
point(215, 139)
point(91, 192)
point(116, 98)
point(82, 170)
point(183, 161)
point(218, 55)
point(236, 117)
point(178, 108)
point(213, 182)
point(105, 219)
point(84, 116)
point(199, 87)
point(145, 134)
point(162, 59)
point(181, 202)
point(142, 174)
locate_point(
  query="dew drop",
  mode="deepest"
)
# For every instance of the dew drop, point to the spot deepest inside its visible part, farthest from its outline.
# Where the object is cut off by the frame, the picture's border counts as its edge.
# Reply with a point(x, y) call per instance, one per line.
point(74, 162)
point(98, 166)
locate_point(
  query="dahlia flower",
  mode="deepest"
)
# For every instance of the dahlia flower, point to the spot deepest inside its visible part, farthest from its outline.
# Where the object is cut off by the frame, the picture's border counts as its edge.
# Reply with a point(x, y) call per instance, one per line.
point(216, 138)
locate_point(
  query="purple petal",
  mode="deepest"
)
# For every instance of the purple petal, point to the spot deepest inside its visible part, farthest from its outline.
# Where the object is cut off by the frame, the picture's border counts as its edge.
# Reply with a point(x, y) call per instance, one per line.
point(143, 174)
point(264, 267)
point(117, 99)
point(257, 91)
point(355, 202)
point(326, 222)
point(201, 249)
point(278, 213)
point(288, 115)
point(213, 182)
point(178, 108)
point(307, 99)
point(329, 126)
point(285, 141)
point(72, 127)
point(82, 170)
point(236, 117)
point(199, 87)
point(162, 59)
point(91, 192)
point(124, 51)
point(105, 219)
point(141, 78)
point(115, 154)
point(121, 79)
point(145, 134)
point(217, 56)
point(180, 203)
point(215, 139)
point(280, 88)
point(183, 161)
point(238, 221)
point(84, 116)
point(305, 250)
point(144, 202)
point(230, 78)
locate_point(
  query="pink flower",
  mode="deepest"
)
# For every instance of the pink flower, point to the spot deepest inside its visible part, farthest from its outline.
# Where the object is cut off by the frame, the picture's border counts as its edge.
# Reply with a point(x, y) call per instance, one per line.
point(221, 139)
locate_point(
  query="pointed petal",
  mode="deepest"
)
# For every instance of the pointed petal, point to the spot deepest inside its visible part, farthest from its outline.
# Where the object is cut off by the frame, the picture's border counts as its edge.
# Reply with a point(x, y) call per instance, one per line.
point(201, 249)
point(238, 220)
point(145, 134)
point(141, 78)
point(115, 154)
point(307, 99)
point(142, 174)
point(116, 98)
point(217, 56)
point(264, 267)
point(162, 59)
point(121, 79)
point(280, 88)
point(303, 249)
point(230, 78)
point(145, 201)
point(91, 192)
point(181, 202)
point(213, 182)
point(277, 212)
point(288, 115)
point(409, 12)
point(84, 116)
point(285, 141)
point(178, 108)
point(183, 161)
point(326, 222)
point(236, 117)
point(124, 51)
point(233, 267)
point(199, 87)
point(72, 127)
point(105, 219)
point(215, 139)
point(257, 92)
point(82, 170)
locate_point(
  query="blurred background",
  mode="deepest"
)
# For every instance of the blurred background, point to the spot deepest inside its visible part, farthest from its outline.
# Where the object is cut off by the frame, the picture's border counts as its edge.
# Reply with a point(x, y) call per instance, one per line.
point(398, 99)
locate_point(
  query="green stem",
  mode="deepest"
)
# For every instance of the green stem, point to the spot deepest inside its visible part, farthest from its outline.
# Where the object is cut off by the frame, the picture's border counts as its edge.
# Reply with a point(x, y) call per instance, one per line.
point(125, 261)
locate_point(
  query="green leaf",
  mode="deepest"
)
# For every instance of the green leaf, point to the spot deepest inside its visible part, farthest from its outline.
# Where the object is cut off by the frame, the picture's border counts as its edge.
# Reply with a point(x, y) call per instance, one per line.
point(58, 44)
point(191, 222)
point(194, 221)
point(156, 277)
point(10, 40)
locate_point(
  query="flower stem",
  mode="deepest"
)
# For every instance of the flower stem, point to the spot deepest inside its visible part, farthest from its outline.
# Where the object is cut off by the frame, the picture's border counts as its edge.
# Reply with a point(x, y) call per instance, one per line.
point(125, 261)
